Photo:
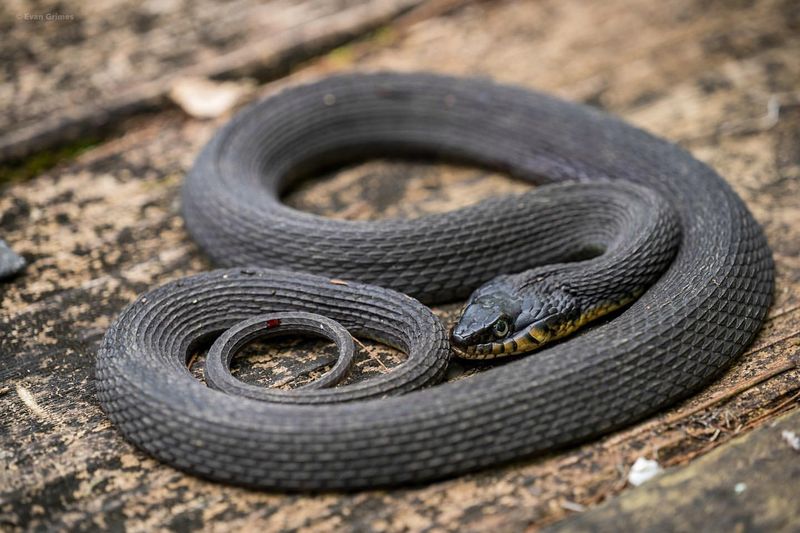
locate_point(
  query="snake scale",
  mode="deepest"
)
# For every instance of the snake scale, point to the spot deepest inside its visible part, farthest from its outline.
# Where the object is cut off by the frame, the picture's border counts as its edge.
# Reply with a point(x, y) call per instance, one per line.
point(604, 179)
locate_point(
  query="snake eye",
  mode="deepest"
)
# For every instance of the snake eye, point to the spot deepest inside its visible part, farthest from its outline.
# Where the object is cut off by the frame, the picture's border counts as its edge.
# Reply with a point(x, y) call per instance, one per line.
point(501, 328)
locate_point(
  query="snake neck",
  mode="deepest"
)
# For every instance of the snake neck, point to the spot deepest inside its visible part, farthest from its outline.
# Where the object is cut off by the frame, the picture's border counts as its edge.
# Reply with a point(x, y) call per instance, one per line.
point(622, 249)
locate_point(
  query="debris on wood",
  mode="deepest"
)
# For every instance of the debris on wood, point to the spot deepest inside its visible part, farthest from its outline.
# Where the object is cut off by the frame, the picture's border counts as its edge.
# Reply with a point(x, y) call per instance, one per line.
point(792, 438)
point(643, 470)
point(204, 98)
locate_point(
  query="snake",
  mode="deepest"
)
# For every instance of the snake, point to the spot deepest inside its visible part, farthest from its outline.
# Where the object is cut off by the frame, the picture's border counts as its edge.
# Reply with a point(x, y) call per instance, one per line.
point(626, 280)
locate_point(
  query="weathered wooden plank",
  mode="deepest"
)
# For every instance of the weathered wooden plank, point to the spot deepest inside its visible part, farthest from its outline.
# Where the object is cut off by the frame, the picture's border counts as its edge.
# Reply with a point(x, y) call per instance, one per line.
point(749, 485)
point(70, 73)
point(105, 227)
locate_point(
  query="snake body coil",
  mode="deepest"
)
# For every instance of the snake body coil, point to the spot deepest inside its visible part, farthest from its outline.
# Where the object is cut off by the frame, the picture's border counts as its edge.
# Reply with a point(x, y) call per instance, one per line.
point(681, 333)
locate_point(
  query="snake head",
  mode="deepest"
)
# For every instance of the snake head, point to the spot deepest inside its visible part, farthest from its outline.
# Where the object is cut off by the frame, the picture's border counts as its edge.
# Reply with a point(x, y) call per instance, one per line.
point(489, 316)
point(507, 316)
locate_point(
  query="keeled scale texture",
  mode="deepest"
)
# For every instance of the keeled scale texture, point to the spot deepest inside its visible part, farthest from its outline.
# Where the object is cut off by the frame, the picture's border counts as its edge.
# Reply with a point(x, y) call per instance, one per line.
point(678, 336)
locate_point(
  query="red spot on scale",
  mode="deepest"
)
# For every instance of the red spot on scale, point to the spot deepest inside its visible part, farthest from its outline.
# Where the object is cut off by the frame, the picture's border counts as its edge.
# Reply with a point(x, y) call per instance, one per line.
point(273, 323)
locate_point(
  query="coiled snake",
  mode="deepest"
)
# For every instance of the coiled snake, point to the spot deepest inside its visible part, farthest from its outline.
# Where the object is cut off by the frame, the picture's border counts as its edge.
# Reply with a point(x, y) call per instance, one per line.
point(630, 206)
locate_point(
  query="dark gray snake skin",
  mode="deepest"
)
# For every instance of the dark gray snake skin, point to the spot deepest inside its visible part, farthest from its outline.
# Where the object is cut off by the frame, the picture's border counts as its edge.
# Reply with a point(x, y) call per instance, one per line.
point(680, 334)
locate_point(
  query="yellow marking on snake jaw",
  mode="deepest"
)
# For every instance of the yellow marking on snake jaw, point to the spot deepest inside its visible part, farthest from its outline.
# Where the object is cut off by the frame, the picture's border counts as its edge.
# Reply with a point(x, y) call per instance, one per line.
point(535, 338)
point(593, 313)
point(521, 344)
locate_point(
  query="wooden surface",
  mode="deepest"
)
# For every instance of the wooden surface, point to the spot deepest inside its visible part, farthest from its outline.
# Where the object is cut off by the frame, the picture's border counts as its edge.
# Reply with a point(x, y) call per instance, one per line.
point(75, 71)
point(750, 484)
point(720, 78)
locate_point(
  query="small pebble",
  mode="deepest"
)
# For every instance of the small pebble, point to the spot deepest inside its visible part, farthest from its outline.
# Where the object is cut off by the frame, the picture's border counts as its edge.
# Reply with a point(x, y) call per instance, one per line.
point(643, 470)
point(792, 438)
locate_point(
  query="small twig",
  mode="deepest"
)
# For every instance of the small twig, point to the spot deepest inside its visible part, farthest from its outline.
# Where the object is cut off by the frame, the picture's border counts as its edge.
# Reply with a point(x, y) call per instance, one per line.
point(682, 459)
point(283, 382)
point(727, 416)
point(372, 357)
point(377, 360)
point(370, 354)
point(572, 506)
point(793, 363)
point(678, 439)
point(692, 434)
point(299, 376)
point(363, 346)
point(774, 105)
point(781, 312)
point(727, 395)
point(778, 408)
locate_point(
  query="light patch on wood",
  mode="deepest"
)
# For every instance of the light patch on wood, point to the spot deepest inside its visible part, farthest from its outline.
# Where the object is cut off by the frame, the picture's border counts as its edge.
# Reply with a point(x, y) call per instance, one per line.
point(30, 402)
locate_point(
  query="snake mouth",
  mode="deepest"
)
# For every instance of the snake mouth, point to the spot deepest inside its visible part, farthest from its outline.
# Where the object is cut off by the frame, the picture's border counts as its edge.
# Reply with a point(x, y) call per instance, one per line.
point(470, 346)
point(493, 350)
point(475, 351)
point(467, 341)
point(477, 345)
point(522, 342)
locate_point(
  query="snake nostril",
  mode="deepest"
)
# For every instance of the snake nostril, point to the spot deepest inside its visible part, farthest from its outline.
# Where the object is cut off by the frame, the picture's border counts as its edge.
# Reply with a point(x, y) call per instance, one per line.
point(457, 339)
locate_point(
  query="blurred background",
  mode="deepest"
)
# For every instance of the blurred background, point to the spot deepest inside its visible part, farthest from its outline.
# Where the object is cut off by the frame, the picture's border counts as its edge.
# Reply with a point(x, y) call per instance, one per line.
point(104, 106)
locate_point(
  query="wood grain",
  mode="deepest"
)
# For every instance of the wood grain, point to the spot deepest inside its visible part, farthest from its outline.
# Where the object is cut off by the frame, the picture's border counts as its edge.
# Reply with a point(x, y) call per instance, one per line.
point(720, 78)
